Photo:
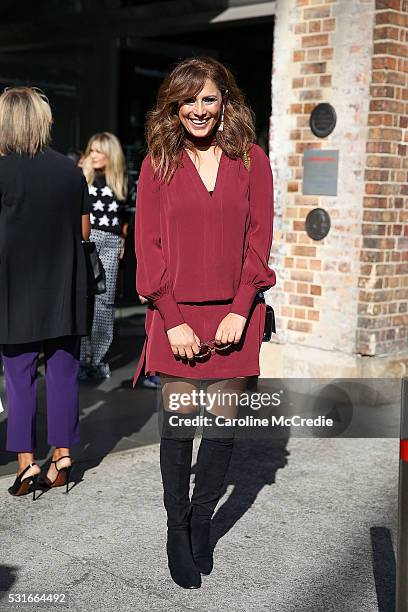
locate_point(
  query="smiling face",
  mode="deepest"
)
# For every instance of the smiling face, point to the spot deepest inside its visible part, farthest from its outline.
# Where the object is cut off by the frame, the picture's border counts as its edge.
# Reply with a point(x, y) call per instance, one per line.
point(200, 114)
point(98, 159)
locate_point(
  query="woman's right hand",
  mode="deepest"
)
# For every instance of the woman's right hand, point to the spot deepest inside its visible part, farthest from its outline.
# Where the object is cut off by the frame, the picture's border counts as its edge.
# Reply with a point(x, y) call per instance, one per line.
point(183, 341)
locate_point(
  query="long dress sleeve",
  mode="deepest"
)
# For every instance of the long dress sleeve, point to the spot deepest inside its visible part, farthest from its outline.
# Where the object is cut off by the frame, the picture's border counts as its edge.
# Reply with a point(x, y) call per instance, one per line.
point(256, 274)
point(152, 278)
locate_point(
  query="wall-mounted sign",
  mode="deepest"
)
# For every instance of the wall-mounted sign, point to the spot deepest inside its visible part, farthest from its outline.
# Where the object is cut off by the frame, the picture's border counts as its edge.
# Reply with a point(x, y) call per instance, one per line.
point(320, 170)
point(323, 120)
point(317, 224)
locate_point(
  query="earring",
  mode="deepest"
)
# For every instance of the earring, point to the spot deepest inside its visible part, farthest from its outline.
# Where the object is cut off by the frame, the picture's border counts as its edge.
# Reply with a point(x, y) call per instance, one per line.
point(221, 126)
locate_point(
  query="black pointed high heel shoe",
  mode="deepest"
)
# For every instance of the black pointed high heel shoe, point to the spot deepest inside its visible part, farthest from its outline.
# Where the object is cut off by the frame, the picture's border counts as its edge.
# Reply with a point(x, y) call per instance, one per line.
point(62, 478)
point(22, 486)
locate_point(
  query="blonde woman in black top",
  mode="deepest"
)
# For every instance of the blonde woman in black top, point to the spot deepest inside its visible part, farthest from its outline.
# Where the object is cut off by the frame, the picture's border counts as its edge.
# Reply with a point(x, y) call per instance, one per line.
point(44, 214)
point(105, 171)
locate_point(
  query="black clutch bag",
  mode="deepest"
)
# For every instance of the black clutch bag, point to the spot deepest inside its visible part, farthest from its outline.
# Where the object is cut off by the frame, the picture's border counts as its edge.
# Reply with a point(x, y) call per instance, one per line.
point(270, 327)
point(96, 278)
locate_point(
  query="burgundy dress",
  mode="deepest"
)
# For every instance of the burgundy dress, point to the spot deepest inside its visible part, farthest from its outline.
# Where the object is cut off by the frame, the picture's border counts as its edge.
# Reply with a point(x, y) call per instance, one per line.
point(201, 256)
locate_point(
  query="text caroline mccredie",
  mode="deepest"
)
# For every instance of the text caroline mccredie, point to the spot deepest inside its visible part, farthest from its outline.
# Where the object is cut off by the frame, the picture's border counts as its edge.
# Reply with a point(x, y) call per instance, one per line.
point(250, 421)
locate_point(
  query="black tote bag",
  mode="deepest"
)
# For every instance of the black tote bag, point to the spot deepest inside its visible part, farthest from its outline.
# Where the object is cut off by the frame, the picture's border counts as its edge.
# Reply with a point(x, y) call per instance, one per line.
point(96, 278)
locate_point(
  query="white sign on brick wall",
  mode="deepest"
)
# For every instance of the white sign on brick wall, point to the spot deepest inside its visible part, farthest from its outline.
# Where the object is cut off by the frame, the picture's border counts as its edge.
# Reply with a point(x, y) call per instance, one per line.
point(320, 172)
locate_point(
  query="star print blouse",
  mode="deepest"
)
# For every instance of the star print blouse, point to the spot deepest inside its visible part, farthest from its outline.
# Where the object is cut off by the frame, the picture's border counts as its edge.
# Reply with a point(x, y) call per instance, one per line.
point(195, 247)
point(107, 212)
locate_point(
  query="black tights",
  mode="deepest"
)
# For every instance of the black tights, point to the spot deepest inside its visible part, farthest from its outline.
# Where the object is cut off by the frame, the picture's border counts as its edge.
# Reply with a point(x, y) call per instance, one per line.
point(219, 400)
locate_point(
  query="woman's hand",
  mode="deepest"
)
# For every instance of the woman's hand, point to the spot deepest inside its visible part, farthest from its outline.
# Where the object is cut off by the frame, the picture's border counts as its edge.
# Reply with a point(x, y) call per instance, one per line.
point(183, 341)
point(230, 329)
point(86, 164)
point(142, 299)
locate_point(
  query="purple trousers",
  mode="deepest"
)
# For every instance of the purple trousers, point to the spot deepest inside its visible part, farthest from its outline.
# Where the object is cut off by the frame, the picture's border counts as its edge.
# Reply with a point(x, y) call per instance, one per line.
point(61, 377)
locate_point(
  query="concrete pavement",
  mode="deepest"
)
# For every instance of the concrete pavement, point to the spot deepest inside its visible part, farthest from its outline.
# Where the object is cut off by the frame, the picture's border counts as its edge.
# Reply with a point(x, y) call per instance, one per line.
point(307, 531)
point(305, 525)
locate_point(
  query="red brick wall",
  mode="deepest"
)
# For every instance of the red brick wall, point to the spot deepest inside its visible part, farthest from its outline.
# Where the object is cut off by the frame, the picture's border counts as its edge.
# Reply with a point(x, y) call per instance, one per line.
point(383, 283)
point(311, 56)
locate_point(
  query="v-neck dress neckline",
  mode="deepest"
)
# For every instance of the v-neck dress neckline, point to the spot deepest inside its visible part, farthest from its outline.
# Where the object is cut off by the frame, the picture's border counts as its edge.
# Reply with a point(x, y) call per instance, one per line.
point(199, 181)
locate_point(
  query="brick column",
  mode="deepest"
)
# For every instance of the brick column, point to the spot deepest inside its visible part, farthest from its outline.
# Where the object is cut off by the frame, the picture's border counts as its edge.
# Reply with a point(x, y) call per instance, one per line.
point(383, 282)
point(332, 293)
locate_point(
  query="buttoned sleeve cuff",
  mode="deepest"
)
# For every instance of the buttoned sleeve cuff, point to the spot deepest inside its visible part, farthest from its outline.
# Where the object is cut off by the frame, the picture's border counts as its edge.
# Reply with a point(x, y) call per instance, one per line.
point(243, 300)
point(169, 310)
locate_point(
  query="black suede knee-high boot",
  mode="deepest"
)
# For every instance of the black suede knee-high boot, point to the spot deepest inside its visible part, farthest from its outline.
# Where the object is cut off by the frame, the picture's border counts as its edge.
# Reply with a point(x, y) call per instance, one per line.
point(175, 464)
point(213, 460)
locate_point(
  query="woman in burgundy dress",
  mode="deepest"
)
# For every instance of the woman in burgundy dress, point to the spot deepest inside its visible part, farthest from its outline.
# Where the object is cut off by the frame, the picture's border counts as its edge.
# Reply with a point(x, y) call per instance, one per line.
point(204, 217)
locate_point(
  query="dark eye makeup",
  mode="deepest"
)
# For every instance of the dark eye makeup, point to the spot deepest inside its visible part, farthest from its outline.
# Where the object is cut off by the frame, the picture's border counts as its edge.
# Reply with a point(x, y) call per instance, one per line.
point(207, 100)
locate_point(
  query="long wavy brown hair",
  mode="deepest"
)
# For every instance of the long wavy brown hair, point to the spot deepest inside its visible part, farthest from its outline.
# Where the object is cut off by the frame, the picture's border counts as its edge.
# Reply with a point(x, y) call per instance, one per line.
point(165, 134)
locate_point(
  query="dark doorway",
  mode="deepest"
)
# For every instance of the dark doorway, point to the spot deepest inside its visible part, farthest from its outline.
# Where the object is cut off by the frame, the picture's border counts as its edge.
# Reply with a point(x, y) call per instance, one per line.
point(245, 48)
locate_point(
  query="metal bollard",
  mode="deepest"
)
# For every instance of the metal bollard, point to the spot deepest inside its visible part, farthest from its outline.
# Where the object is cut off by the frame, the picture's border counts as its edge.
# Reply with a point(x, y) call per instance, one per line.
point(402, 559)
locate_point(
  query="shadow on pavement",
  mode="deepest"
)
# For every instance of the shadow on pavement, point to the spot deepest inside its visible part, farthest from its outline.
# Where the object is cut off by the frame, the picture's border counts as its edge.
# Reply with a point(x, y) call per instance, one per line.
point(384, 568)
point(254, 465)
point(8, 576)
point(115, 423)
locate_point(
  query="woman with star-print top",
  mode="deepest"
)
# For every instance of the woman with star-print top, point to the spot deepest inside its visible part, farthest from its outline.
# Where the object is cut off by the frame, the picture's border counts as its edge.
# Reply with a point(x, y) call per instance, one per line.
point(105, 172)
point(107, 211)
